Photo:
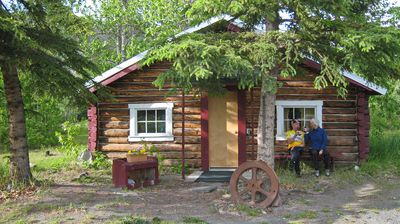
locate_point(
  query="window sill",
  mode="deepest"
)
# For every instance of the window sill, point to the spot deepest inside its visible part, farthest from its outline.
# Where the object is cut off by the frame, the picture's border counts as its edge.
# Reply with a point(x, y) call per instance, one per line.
point(151, 138)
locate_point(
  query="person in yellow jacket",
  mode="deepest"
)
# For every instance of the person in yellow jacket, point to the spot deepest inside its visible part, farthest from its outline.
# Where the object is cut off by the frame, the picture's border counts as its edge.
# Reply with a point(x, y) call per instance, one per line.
point(295, 140)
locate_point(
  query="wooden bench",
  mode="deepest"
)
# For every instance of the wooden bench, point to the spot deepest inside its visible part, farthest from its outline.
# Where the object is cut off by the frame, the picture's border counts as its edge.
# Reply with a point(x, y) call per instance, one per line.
point(121, 170)
point(305, 155)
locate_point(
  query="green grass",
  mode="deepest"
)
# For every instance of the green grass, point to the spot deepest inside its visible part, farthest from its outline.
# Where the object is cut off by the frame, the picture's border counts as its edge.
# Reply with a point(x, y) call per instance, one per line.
point(384, 153)
point(249, 211)
point(193, 220)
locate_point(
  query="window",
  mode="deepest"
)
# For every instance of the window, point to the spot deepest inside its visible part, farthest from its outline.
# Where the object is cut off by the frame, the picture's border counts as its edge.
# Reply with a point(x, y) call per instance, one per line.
point(150, 122)
point(301, 110)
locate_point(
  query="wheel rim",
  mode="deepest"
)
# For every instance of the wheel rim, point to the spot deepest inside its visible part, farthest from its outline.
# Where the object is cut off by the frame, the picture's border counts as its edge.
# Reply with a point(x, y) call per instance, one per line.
point(254, 183)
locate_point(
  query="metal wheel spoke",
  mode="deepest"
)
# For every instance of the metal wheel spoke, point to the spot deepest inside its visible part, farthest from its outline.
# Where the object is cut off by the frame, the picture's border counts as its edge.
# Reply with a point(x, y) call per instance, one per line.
point(254, 173)
point(245, 180)
point(243, 192)
point(264, 192)
point(253, 196)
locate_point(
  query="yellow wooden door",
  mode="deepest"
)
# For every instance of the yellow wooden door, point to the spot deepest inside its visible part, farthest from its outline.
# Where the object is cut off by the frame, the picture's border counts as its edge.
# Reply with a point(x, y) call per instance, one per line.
point(223, 130)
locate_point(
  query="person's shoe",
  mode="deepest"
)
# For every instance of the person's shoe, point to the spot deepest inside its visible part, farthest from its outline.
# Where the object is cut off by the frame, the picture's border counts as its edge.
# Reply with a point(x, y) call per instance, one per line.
point(327, 172)
point(298, 175)
point(317, 173)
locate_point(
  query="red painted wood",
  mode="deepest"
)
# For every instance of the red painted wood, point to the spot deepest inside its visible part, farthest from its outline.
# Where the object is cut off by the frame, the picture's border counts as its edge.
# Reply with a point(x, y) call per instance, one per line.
point(121, 168)
point(233, 28)
point(92, 128)
point(118, 75)
point(241, 126)
point(204, 132)
point(363, 125)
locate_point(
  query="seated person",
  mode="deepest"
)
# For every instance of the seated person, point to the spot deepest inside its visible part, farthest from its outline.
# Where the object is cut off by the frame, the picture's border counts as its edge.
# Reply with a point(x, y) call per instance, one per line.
point(295, 140)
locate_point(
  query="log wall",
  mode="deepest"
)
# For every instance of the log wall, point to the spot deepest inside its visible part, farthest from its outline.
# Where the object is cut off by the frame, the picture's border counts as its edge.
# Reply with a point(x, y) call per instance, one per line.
point(339, 116)
point(137, 87)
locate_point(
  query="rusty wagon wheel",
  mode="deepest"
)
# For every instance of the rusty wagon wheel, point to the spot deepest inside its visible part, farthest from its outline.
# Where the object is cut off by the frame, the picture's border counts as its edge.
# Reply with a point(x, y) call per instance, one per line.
point(254, 183)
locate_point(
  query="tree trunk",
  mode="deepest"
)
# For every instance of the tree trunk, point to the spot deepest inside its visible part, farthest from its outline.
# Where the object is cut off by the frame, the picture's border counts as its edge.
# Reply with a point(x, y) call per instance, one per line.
point(266, 117)
point(19, 162)
point(266, 124)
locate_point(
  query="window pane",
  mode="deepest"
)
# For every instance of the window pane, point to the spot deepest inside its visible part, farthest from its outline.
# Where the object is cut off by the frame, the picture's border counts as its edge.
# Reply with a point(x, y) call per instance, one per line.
point(310, 113)
point(160, 127)
point(141, 127)
point(288, 113)
point(286, 125)
point(161, 115)
point(151, 115)
point(151, 127)
point(298, 113)
point(141, 115)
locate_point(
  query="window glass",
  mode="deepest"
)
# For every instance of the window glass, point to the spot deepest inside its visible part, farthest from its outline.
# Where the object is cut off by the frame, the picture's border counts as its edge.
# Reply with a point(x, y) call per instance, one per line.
point(161, 115)
point(141, 115)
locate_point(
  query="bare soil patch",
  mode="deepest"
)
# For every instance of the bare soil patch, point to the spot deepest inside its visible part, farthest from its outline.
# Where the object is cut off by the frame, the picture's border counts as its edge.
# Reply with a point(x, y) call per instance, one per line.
point(359, 199)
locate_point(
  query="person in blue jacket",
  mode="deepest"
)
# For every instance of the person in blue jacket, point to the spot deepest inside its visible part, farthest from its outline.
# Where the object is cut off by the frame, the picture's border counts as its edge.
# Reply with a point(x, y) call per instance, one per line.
point(319, 140)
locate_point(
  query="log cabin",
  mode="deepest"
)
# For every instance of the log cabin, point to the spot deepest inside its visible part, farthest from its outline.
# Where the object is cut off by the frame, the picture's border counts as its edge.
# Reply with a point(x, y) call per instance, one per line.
point(220, 132)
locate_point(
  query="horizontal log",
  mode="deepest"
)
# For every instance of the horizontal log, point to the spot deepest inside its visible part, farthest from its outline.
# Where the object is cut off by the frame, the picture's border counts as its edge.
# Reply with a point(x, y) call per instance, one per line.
point(144, 99)
point(114, 132)
point(340, 104)
point(188, 110)
point(188, 124)
point(339, 111)
point(338, 118)
point(114, 113)
point(115, 124)
point(313, 97)
point(188, 139)
point(342, 141)
point(136, 85)
point(338, 132)
point(188, 132)
point(339, 125)
point(289, 83)
point(103, 139)
point(162, 147)
point(113, 118)
point(282, 91)
point(188, 117)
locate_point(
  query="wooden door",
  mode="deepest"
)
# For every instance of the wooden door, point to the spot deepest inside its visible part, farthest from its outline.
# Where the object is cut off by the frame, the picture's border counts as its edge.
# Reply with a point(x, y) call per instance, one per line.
point(223, 131)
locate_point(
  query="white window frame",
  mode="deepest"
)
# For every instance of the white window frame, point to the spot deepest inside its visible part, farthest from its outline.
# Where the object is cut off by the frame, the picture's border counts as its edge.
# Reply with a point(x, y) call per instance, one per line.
point(281, 104)
point(134, 136)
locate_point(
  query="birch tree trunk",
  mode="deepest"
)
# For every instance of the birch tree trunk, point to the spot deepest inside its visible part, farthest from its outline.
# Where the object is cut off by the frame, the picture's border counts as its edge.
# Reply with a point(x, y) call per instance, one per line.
point(266, 117)
point(19, 162)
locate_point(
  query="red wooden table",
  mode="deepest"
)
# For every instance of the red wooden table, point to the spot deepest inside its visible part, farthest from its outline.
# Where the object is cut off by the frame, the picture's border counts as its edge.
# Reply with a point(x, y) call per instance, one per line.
point(121, 169)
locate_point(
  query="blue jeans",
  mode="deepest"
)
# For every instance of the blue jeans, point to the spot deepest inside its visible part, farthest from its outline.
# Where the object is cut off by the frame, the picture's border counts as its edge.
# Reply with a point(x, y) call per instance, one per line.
point(295, 160)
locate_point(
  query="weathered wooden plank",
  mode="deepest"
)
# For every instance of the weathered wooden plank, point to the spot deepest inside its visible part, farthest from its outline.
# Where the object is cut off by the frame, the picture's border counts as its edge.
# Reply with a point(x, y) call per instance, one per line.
point(338, 118)
point(339, 132)
point(114, 113)
point(108, 118)
point(188, 110)
point(188, 117)
point(115, 124)
point(340, 104)
point(114, 132)
point(189, 139)
point(342, 141)
point(188, 132)
point(313, 97)
point(339, 125)
point(166, 146)
point(145, 99)
point(339, 111)
point(190, 124)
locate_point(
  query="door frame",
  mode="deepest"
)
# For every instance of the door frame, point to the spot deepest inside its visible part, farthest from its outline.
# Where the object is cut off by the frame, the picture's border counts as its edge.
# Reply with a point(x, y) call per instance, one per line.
point(241, 95)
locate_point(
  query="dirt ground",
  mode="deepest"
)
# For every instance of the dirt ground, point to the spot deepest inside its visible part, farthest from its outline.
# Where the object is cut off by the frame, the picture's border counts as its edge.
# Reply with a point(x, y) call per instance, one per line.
point(348, 198)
